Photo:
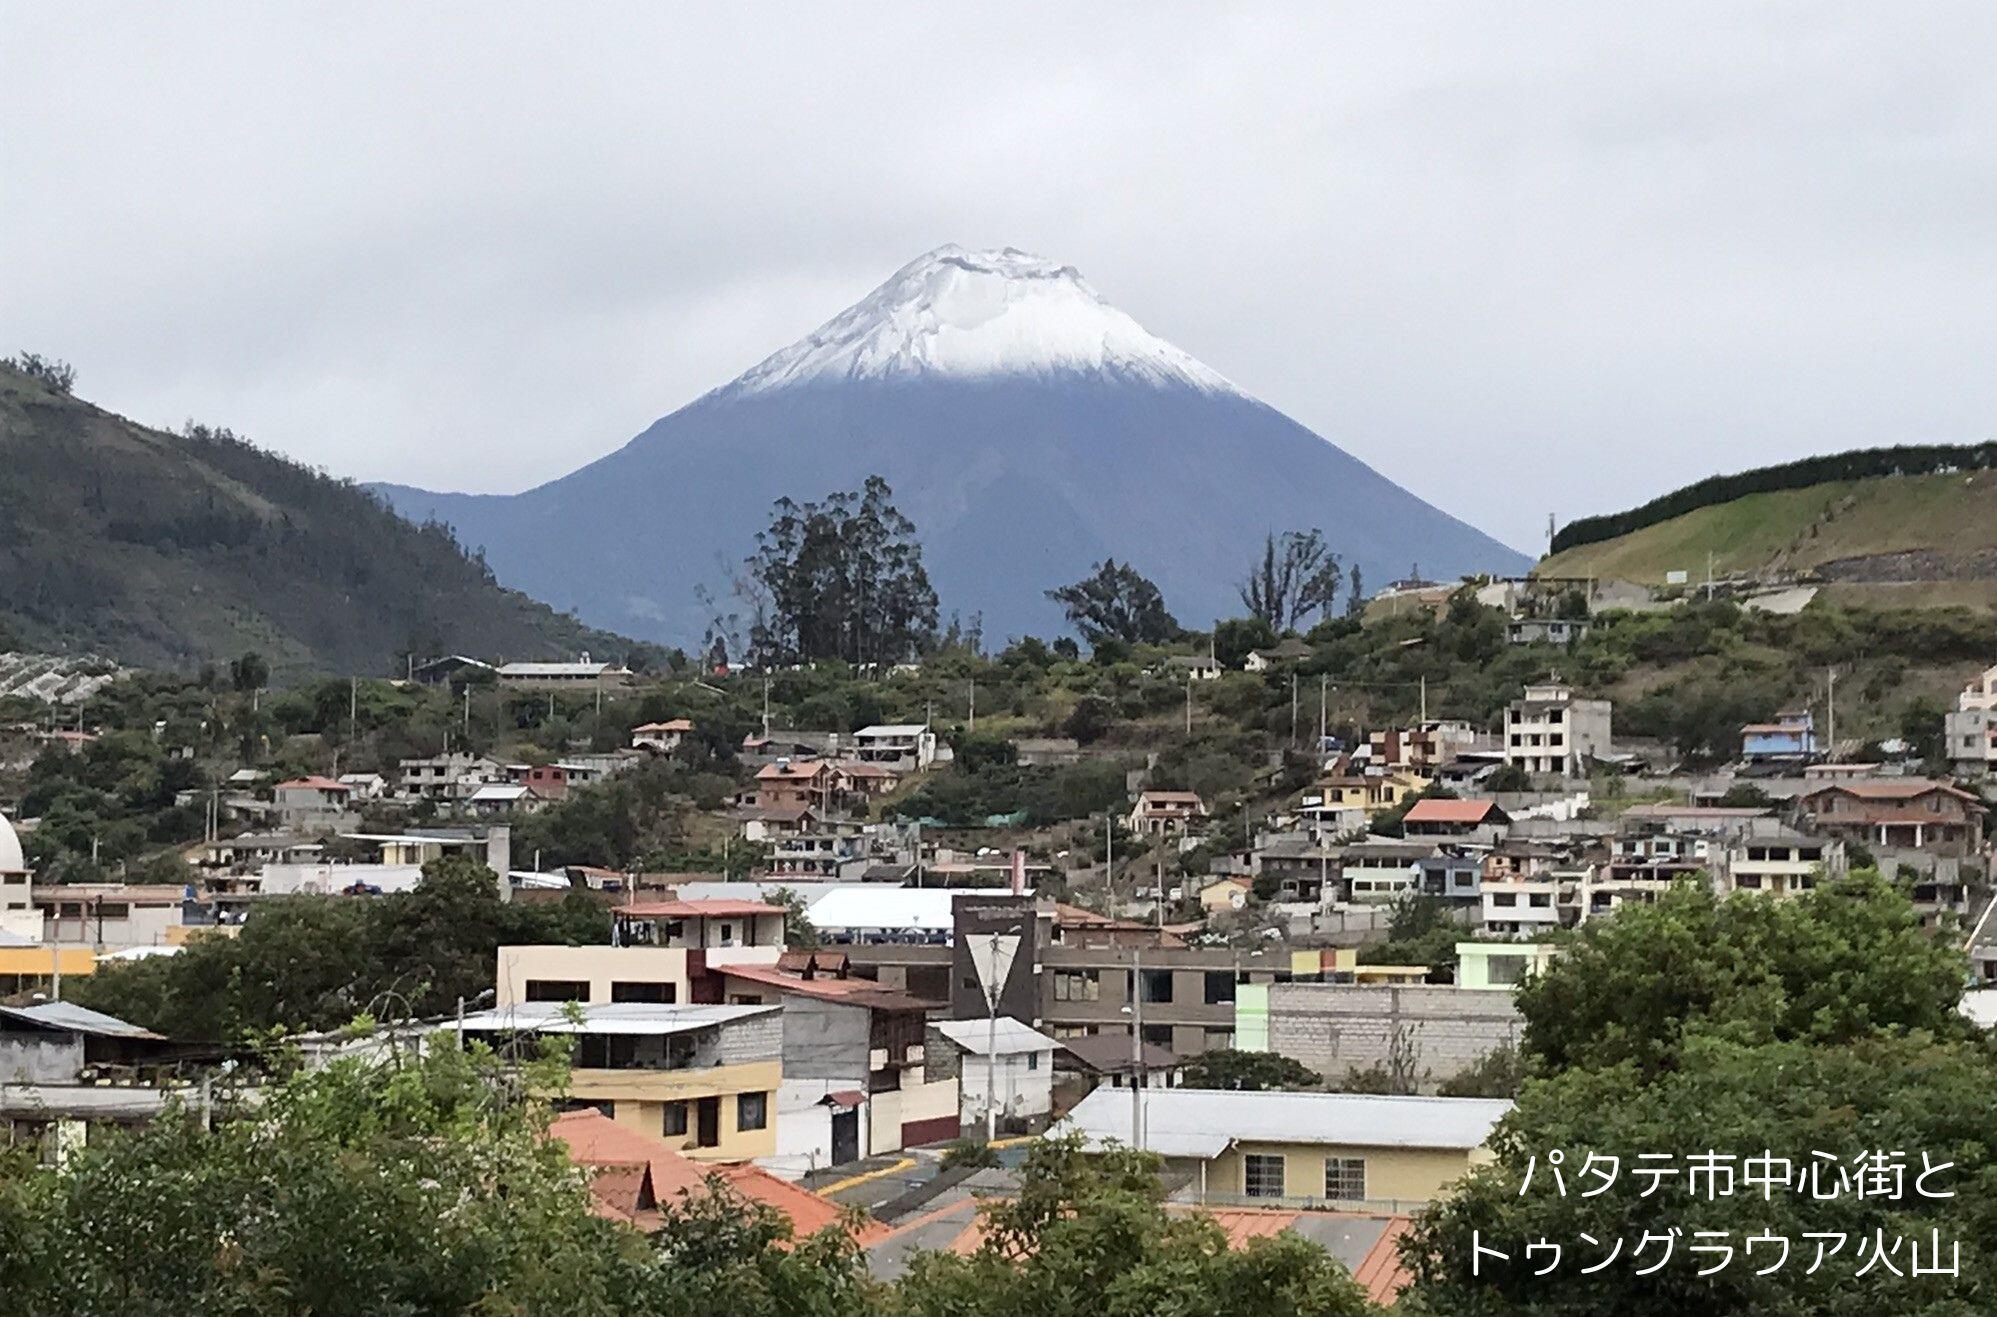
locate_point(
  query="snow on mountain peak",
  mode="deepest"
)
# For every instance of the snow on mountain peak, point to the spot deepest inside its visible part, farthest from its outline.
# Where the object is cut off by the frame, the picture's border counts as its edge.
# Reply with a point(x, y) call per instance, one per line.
point(980, 314)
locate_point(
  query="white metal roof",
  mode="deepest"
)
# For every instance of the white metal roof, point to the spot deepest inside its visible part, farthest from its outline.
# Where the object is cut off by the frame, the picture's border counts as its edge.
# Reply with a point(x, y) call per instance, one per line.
point(878, 907)
point(1202, 1122)
point(554, 669)
point(1014, 1037)
point(893, 729)
point(618, 1018)
point(65, 1015)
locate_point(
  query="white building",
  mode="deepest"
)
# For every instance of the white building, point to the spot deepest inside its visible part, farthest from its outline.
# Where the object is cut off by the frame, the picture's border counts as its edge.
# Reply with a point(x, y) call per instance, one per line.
point(18, 915)
point(1007, 1062)
point(1970, 732)
point(1549, 732)
point(903, 747)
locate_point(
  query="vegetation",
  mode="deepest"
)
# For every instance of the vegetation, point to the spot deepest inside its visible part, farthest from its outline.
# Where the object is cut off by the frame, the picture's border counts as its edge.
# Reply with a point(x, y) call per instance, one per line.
point(183, 548)
point(428, 1185)
point(1735, 1029)
point(1859, 464)
point(840, 579)
point(1253, 1071)
point(311, 962)
point(1296, 576)
point(1116, 603)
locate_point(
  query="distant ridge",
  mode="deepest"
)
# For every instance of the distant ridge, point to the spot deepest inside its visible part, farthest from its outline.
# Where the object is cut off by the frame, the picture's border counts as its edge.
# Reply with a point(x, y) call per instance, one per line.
point(170, 549)
point(1027, 426)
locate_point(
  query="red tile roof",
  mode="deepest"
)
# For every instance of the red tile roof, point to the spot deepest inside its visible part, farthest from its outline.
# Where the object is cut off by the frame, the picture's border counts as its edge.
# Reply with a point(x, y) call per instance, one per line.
point(624, 1159)
point(860, 992)
point(714, 909)
point(316, 783)
point(1450, 811)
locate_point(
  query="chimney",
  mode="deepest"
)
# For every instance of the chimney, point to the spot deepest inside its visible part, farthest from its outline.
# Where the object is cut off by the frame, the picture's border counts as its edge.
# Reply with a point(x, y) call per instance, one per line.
point(1019, 873)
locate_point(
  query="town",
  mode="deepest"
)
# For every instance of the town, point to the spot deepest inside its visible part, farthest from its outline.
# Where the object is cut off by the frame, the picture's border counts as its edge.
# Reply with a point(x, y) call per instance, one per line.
point(1218, 909)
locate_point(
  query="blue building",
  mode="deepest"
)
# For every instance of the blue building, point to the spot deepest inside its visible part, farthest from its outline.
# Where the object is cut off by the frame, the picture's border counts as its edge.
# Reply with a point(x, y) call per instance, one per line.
point(1791, 738)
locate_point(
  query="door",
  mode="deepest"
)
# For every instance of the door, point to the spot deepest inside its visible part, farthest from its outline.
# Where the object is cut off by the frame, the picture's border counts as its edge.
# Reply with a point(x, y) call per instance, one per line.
point(708, 1123)
point(845, 1136)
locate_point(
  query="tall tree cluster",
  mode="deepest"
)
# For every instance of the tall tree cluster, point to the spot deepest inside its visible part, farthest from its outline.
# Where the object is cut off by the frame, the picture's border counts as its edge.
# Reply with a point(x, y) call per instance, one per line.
point(841, 578)
point(1297, 575)
point(1116, 602)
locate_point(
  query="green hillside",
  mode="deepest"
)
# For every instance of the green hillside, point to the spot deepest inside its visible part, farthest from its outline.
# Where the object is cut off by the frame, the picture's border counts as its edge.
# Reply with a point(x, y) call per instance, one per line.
point(165, 549)
point(1917, 539)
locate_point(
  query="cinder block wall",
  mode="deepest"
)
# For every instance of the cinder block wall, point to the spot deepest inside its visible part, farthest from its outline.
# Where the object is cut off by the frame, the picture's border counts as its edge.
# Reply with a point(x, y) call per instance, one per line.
point(1334, 1028)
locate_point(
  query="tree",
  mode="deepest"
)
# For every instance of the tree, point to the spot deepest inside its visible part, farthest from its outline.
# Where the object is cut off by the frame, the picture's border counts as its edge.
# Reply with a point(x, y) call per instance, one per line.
point(1355, 600)
point(1296, 575)
point(54, 375)
point(249, 673)
point(1842, 960)
point(1728, 1104)
point(1252, 1071)
point(842, 578)
point(1499, 1073)
point(1088, 720)
point(800, 934)
point(422, 1186)
point(1236, 638)
point(1508, 777)
point(1114, 602)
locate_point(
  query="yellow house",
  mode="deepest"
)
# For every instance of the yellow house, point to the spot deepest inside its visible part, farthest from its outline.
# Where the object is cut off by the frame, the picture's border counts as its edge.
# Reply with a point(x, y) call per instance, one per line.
point(1229, 893)
point(1357, 1151)
point(666, 952)
point(1370, 792)
point(702, 1078)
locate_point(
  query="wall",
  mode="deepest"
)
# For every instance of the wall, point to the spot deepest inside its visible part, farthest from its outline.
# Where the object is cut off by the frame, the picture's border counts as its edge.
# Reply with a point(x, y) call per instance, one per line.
point(639, 1098)
point(597, 966)
point(1335, 1028)
point(825, 1040)
point(39, 1057)
point(1396, 1178)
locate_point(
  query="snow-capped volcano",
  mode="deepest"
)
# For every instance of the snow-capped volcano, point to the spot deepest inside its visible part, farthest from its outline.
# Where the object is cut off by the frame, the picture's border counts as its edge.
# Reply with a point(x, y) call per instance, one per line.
point(1029, 428)
point(980, 315)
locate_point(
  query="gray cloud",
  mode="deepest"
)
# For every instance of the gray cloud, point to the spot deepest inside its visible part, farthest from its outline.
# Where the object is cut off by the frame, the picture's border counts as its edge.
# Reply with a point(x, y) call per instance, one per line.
point(1522, 260)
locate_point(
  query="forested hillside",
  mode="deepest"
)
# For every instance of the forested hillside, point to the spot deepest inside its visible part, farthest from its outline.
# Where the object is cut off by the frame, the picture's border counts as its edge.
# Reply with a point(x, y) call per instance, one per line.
point(167, 549)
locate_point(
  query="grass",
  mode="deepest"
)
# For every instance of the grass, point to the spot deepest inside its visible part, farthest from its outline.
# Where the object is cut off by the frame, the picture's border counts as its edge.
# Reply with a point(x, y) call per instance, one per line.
point(1799, 529)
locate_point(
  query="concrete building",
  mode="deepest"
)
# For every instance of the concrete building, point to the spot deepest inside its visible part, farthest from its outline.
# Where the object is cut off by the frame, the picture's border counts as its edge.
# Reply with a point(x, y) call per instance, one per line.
point(582, 676)
point(664, 737)
point(902, 747)
point(1552, 733)
point(702, 1078)
point(664, 953)
point(304, 801)
point(107, 916)
point(1350, 1149)
point(858, 1081)
point(1499, 966)
point(1005, 1066)
point(1162, 813)
point(1790, 739)
point(18, 915)
point(1913, 813)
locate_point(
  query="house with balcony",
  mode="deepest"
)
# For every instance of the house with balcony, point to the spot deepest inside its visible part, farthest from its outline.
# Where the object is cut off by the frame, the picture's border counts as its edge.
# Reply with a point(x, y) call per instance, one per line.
point(1162, 813)
point(702, 1078)
point(1778, 861)
point(664, 737)
point(1516, 906)
point(857, 1077)
point(1422, 748)
point(1383, 868)
point(1371, 792)
point(1461, 820)
point(1898, 813)
point(898, 747)
point(796, 784)
point(305, 801)
point(1790, 739)
point(662, 953)
point(1551, 732)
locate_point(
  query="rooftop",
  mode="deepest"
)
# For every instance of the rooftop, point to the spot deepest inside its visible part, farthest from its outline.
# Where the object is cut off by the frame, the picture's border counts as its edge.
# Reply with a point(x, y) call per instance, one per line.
point(644, 1018)
point(698, 909)
point(1203, 1123)
point(1012, 1036)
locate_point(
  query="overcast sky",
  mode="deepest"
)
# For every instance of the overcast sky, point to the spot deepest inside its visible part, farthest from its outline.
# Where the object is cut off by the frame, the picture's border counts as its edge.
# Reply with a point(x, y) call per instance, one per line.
point(1554, 258)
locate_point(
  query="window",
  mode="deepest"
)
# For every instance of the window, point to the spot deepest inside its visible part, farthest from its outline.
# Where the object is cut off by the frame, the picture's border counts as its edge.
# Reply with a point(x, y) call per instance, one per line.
point(1501, 970)
point(1262, 1176)
point(1157, 985)
point(1076, 985)
point(752, 1111)
point(1158, 1035)
point(113, 910)
point(1345, 1179)
point(557, 990)
point(1504, 898)
point(672, 1120)
point(1220, 986)
point(650, 992)
point(1033, 1061)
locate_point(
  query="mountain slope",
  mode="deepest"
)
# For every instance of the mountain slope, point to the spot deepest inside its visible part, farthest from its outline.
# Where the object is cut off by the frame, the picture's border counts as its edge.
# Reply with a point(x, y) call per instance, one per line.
point(1891, 538)
point(1027, 426)
point(166, 549)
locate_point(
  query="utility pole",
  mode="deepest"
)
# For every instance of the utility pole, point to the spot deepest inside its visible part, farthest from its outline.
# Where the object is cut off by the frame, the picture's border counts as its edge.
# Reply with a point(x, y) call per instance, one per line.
point(353, 705)
point(1137, 1049)
point(766, 708)
point(1323, 690)
point(1189, 704)
point(1830, 713)
point(1424, 698)
point(1293, 708)
point(1109, 854)
point(973, 724)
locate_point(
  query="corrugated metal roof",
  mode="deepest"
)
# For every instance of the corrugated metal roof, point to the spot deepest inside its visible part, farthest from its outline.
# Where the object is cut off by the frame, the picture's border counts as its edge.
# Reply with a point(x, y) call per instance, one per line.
point(1194, 1118)
point(65, 1015)
point(615, 1018)
point(1014, 1037)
